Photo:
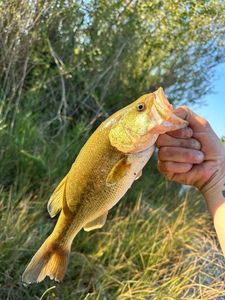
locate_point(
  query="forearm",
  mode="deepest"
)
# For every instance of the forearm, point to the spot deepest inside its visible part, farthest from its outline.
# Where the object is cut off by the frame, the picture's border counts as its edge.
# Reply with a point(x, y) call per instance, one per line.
point(215, 198)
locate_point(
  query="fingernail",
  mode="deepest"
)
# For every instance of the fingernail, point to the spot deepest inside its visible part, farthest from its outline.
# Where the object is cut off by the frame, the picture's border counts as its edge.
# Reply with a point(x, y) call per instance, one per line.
point(189, 132)
point(200, 156)
point(196, 145)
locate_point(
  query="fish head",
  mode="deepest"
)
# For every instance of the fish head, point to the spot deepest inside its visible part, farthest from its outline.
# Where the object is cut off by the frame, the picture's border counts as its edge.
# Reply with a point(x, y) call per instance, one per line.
point(137, 126)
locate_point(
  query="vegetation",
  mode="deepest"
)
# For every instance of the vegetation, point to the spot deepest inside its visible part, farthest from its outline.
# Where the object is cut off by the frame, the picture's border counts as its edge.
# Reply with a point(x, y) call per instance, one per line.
point(223, 140)
point(65, 66)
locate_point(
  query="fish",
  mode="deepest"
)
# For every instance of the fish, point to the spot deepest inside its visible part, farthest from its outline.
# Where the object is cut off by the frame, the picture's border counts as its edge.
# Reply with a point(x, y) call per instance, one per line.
point(107, 165)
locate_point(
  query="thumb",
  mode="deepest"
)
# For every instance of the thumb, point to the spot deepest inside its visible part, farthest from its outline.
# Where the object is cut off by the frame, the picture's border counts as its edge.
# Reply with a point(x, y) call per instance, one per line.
point(196, 122)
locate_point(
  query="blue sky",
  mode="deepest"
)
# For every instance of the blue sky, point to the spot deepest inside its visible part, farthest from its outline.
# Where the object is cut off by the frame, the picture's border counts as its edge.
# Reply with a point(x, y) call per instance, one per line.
point(214, 104)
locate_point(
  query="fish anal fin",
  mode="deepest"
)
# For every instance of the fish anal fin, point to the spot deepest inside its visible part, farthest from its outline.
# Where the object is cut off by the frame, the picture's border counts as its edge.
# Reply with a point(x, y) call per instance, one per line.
point(96, 223)
point(55, 203)
point(118, 171)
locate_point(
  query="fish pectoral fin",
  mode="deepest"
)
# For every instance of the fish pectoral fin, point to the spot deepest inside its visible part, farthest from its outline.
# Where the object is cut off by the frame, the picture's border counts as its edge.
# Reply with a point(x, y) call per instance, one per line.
point(96, 223)
point(118, 171)
point(55, 203)
point(138, 175)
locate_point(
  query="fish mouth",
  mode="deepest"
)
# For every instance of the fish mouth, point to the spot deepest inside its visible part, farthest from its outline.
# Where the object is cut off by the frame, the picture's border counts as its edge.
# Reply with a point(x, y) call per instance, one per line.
point(162, 111)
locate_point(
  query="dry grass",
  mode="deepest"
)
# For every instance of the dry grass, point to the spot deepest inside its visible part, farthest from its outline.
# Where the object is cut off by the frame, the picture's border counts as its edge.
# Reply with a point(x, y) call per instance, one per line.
point(141, 253)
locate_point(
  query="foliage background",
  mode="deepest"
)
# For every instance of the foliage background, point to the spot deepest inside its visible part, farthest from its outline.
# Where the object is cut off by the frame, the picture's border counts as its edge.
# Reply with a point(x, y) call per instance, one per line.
point(65, 66)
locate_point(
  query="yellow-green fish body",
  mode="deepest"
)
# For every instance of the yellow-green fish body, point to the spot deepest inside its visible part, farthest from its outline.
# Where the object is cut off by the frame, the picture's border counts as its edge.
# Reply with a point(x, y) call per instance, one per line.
point(107, 165)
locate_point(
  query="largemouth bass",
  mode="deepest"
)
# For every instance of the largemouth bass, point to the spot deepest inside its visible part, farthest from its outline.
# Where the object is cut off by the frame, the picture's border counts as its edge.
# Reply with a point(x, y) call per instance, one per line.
point(107, 165)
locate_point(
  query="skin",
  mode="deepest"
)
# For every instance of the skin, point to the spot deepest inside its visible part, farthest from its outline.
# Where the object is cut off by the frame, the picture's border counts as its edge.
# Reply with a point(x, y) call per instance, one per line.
point(196, 156)
point(104, 170)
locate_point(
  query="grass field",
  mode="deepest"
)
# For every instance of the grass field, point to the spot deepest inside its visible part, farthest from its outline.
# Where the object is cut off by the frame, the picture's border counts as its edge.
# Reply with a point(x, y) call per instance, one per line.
point(155, 245)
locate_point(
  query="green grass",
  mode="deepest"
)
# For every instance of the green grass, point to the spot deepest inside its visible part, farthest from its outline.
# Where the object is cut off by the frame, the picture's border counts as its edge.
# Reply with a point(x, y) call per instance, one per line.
point(157, 242)
point(145, 251)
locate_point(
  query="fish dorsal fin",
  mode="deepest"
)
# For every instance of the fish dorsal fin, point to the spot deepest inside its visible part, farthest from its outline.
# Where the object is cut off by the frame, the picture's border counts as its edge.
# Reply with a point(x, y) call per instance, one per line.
point(96, 223)
point(55, 203)
point(118, 171)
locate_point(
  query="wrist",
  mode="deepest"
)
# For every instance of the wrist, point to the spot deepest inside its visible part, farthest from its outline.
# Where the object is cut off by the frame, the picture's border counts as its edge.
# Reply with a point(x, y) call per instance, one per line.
point(215, 199)
point(214, 192)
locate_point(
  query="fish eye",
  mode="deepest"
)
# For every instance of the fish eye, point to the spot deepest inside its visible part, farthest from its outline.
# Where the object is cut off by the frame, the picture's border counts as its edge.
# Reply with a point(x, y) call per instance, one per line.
point(141, 107)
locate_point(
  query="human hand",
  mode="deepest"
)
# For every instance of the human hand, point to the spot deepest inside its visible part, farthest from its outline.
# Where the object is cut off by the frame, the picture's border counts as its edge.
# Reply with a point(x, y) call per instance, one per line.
point(193, 155)
point(196, 156)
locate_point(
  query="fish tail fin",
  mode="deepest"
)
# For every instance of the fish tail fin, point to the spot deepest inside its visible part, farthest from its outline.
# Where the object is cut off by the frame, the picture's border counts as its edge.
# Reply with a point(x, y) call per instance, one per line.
point(50, 260)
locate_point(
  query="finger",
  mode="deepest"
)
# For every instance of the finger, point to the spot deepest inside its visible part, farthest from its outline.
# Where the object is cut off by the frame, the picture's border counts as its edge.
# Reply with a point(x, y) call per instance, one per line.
point(183, 133)
point(169, 167)
point(169, 141)
point(195, 122)
point(178, 154)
